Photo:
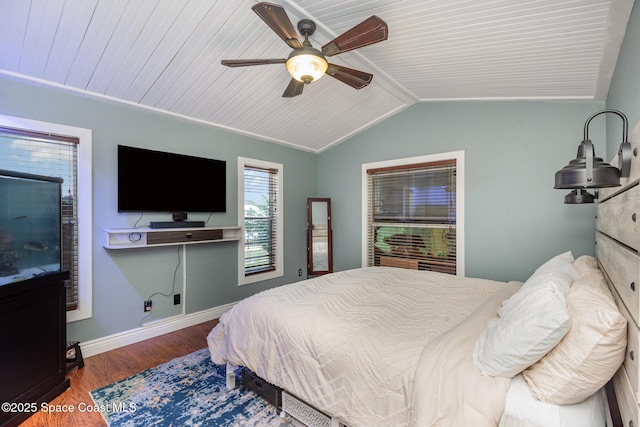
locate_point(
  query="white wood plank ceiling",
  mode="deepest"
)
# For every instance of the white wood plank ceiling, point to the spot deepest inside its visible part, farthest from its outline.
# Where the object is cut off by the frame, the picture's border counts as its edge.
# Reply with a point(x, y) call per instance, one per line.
point(165, 55)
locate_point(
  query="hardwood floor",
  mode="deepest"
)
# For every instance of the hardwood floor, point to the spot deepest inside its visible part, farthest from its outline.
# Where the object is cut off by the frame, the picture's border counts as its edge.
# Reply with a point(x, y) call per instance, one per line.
point(105, 368)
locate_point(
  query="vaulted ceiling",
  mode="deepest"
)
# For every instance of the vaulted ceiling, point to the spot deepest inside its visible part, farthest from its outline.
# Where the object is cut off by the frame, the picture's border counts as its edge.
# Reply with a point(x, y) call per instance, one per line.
point(165, 56)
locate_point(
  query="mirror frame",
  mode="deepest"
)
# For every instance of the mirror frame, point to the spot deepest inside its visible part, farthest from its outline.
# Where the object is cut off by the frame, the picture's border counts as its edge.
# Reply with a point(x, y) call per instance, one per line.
point(310, 253)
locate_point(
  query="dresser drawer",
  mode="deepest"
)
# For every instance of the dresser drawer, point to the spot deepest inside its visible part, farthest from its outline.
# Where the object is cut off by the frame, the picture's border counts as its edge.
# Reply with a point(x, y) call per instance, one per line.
point(619, 217)
point(159, 237)
point(268, 392)
point(632, 353)
point(626, 399)
point(623, 269)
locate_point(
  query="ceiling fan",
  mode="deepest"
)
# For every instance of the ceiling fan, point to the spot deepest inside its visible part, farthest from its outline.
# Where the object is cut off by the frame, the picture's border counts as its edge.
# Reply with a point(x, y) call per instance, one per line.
point(306, 63)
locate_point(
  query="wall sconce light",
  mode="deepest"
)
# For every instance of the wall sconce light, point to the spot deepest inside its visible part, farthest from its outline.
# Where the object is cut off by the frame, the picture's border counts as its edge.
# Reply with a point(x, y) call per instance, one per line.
point(579, 196)
point(588, 171)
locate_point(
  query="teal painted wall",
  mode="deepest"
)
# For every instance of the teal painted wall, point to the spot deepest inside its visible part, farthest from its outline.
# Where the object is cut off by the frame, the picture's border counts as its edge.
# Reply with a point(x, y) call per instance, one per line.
point(515, 220)
point(123, 279)
point(624, 93)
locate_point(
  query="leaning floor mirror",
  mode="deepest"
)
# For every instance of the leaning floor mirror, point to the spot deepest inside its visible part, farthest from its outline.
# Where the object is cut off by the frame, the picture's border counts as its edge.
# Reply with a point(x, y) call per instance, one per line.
point(319, 252)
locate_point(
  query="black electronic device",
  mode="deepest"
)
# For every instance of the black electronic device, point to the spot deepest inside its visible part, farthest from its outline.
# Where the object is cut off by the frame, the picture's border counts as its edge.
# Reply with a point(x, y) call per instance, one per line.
point(157, 181)
point(180, 216)
point(176, 224)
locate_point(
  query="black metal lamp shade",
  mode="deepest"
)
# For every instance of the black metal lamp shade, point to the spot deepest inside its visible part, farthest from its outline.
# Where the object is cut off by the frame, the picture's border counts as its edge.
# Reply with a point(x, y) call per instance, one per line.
point(578, 197)
point(588, 171)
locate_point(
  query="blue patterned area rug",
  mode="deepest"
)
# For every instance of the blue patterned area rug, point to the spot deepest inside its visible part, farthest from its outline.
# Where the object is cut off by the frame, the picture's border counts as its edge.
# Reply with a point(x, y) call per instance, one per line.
point(187, 391)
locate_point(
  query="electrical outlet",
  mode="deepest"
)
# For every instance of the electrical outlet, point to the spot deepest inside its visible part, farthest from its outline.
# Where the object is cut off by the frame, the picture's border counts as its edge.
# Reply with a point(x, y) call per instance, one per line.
point(299, 272)
point(147, 306)
point(176, 299)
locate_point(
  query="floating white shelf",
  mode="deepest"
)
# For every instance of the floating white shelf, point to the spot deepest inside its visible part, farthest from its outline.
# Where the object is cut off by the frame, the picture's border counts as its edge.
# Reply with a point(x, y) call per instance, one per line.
point(128, 238)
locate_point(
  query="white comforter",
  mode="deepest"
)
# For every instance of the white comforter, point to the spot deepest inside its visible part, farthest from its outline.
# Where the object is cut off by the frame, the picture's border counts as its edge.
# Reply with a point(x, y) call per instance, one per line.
point(375, 346)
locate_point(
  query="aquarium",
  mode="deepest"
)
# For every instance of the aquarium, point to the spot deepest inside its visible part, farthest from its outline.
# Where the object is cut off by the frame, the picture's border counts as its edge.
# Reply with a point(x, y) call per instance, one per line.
point(29, 226)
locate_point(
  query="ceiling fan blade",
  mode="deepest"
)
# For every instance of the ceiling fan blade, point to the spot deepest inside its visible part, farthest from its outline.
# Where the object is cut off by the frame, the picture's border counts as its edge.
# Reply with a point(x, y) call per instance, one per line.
point(294, 89)
point(248, 62)
point(275, 17)
point(369, 31)
point(354, 78)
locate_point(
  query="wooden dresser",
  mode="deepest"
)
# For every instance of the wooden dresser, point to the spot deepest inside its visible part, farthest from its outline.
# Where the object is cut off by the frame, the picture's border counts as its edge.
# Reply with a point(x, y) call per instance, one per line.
point(617, 250)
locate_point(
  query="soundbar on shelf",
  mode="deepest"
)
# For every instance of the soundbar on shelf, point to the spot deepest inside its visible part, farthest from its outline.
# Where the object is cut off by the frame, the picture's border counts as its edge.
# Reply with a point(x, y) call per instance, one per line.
point(176, 224)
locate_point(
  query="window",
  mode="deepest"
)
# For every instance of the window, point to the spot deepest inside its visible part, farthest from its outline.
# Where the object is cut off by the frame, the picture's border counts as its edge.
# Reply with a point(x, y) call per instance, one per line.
point(54, 150)
point(260, 211)
point(413, 213)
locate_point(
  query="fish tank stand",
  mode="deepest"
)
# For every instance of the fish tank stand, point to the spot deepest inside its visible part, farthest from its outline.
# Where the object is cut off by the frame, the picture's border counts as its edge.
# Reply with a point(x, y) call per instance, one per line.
point(33, 335)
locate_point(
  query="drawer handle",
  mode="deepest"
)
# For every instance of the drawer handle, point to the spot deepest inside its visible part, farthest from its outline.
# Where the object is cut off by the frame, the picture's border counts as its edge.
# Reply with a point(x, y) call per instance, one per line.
point(189, 235)
point(632, 355)
point(633, 286)
point(633, 217)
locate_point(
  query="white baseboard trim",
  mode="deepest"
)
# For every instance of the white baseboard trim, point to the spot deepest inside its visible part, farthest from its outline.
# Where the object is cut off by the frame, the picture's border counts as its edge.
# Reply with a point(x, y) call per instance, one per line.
point(151, 330)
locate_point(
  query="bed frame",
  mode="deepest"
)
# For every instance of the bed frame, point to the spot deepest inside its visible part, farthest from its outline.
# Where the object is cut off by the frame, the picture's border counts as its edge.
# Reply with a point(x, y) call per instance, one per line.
point(617, 251)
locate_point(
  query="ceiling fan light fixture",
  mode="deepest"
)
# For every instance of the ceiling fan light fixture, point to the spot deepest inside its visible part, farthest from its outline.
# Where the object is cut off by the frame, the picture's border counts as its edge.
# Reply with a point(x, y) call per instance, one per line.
point(306, 65)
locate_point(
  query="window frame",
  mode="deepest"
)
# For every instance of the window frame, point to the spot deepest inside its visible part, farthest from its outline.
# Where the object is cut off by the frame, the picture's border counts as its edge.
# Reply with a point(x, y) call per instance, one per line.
point(85, 205)
point(458, 156)
point(244, 279)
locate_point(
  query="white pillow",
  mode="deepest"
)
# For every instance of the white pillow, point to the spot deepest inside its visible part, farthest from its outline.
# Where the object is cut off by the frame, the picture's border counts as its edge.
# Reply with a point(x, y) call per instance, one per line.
point(530, 323)
point(590, 354)
point(558, 273)
point(557, 261)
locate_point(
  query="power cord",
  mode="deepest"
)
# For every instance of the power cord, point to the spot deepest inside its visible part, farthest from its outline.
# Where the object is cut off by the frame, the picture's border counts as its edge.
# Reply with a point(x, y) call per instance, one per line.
point(136, 224)
point(208, 218)
point(173, 287)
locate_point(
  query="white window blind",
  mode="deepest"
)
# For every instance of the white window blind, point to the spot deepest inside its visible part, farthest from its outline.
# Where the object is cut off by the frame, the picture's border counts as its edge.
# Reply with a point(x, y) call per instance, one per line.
point(57, 156)
point(412, 216)
point(260, 219)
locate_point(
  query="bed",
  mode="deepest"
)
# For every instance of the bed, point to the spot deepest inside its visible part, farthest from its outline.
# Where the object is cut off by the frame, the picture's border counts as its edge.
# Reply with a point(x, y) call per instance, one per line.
point(387, 346)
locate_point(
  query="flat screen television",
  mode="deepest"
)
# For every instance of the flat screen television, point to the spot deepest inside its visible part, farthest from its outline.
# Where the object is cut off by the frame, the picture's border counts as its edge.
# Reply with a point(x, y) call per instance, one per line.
point(157, 181)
